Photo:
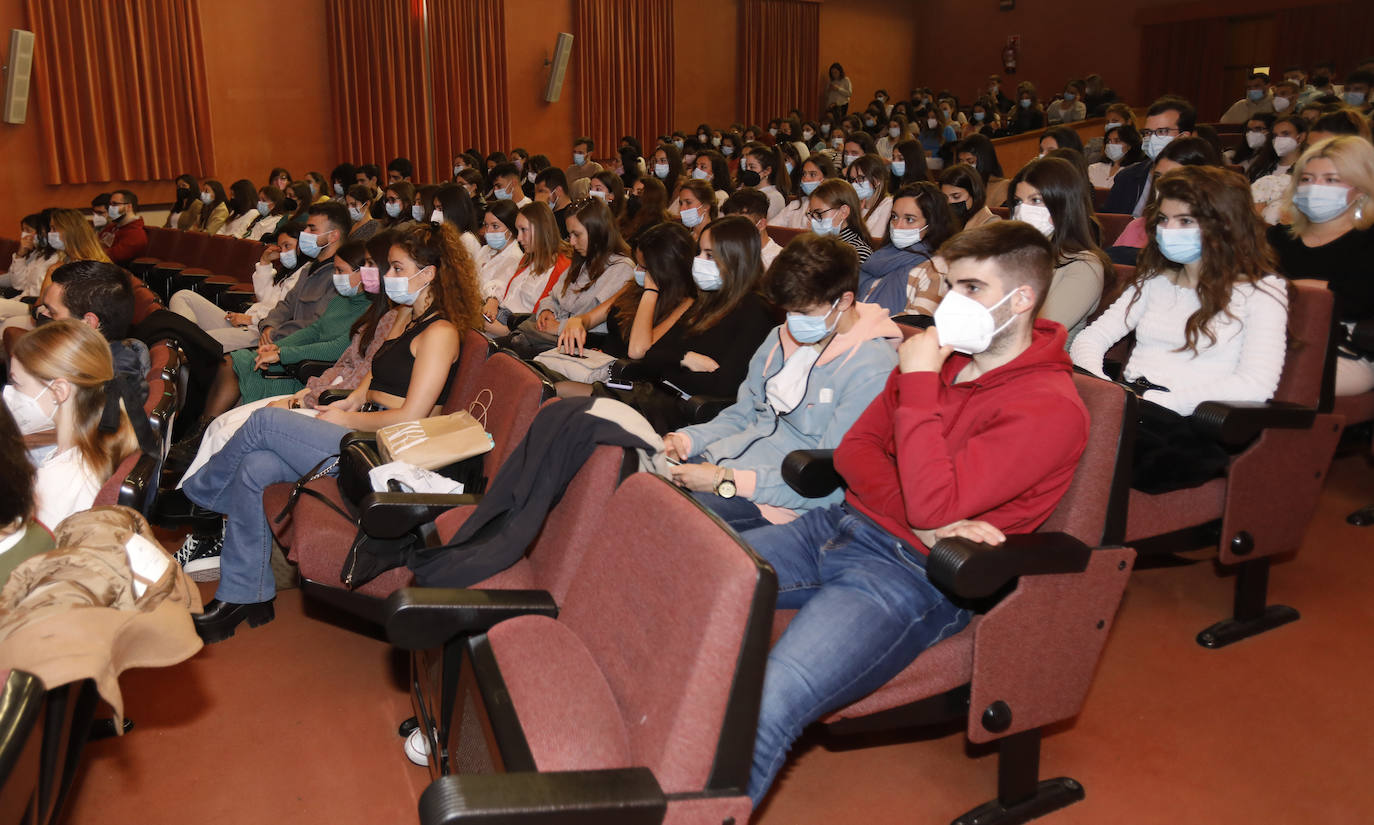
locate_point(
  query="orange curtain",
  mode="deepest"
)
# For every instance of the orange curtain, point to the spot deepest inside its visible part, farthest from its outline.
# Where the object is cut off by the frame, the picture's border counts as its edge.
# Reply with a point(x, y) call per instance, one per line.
point(623, 52)
point(468, 54)
point(778, 44)
point(119, 90)
point(376, 61)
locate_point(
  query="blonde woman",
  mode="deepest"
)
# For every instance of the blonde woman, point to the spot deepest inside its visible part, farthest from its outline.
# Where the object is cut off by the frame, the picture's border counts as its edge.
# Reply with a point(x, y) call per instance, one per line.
point(1330, 203)
point(62, 373)
point(72, 238)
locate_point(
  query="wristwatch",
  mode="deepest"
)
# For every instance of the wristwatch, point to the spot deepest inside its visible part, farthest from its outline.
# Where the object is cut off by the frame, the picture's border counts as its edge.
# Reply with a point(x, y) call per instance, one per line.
point(725, 483)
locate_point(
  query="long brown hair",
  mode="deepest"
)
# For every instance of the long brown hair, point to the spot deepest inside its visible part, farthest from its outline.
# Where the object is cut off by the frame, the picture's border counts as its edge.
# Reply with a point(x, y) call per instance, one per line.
point(547, 245)
point(79, 355)
point(834, 193)
point(456, 293)
point(737, 251)
point(653, 207)
point(1235, 249)
point(603, 241)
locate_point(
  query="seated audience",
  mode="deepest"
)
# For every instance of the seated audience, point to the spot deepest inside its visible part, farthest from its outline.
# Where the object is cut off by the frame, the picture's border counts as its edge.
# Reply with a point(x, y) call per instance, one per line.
point(921, 220)
point(1028, 115)
point(505, 184)
point(963, 188)
point(977, 151)
point(429, 272)
point(271, 214)
point(214, 209)
point(908, 165)
point(29, 265)
point(397, 200)
point(1120, 149)
point(1167, 119)
point(868, 176)
point(834, 210)
point(760, 168)
point(452, 204)
point(62, 373)
point(243, 209)
point(1328, 238)
point(753, 205)
point(977, 445)
point(1189, 151)
point(343, 176)
point(1118, 115)
point(186, 206)
point(814, 170)
point(1209, 316)
point(544, 260)
point(500, 255)
point(806, 385)
point(608, 187)
point(1258, 100)
point(1070, 106)
point(1053, 197)
point(582, 166)
point(124, 237)
point(1255, 155)
point(1273, 171)
point(696, 206)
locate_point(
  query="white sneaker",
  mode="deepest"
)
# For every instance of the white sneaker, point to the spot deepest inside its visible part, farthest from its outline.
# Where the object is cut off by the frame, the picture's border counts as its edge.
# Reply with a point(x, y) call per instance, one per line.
point(417, 747)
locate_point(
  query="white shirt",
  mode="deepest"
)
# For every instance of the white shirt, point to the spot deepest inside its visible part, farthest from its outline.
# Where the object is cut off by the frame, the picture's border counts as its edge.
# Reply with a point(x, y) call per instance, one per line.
point(495, 269)
point(269, 294)
point(1100, 174)
point(793, 215)
point(878, 220)
point(775, 200)
point(238, 226)
point(473, 246)
point(1243, 365)
point(770, 251)
point(523, 289)
point(64, 485)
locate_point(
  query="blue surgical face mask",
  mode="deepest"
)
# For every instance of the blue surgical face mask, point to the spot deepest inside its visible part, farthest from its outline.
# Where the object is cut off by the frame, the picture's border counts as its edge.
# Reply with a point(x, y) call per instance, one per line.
point(393, 210)
point(396, 289)
point(700, 174)
point(824, 227)
point(309, 244)
point(503, 194)
point(903, 238)
point(288, 258)
point(264, 207)
point(898, 168)
point(978, 116)
point(339, 189)
point(1154, 144)
point(809, 329)
point(417, 212)
point(661, 170)
point(863, 189)
point(1321, 202)
point(1025, 104)
point(1255, 95)
point(496, 240)
point(639, 277)
point(55, 240)
point(1182, 245)
point(809, 186)
point(706, 273)
point(356, 213)
point(579, 158)
point(344, 284)
point(691, 217)
point(1070, 97)
point(727, 150)
point(1355, 98)
point(112, 211)
point(205, 198)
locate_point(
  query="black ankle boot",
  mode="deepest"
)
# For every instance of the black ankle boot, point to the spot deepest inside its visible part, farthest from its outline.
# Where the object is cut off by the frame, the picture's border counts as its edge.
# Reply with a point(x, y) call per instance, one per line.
point(220, 619)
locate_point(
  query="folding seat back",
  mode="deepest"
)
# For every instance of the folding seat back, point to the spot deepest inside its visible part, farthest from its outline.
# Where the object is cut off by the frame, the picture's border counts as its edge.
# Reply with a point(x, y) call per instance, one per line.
point(21, 742)
point(783, 235)
point(8, 246)
point(161, 241)
point(512, 392)
point(472, 354)
point(1309, 330)
point(185, 248)
point(1112, 227)
point(1094, 508)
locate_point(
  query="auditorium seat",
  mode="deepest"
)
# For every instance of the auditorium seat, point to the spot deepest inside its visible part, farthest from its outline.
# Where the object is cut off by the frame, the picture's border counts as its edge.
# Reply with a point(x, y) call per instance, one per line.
point(1068, 581)
point(8, 247)
point(1100, 195)
point(1282, 450)
point(783, 235)
point(134, 483)
point(514, 391)
point(21, 744)
point(635, 699)
point(161, 241)
point(1112, 227)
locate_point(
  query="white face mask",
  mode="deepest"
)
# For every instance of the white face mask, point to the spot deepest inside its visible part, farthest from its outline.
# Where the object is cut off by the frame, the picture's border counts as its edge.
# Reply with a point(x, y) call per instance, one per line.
point(894, 132)
point(417, 212)
point(27, 412)
point(55, 241)
point(597, 193)
point(1037, 216)
point(356, 213)
point(691, 217)
point(931, 123)
point(706, 274)
point(967, 325)
point(1154, 144)
point(99, 220)
point(1281, 104)
point(437, 216)
point(903, 238)
point(113, 211)
point(807, 135)
point(661, 170)
point(1114, 151)
point(700, 174)
point(1256, 139)
point(1283, 144)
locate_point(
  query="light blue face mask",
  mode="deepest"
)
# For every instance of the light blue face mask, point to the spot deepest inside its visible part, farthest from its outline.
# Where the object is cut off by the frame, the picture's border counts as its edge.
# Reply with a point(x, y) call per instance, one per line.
point(344, 284)
point(824, 227)
point(496, 240)
point(706, 273)
point(288, 258)
point(1182, 245)
point(978, 116)
point(579, 158)
point(700, 174)
point(396, 289)
point(1255, 95)
point(393, 210)
point(503, 194)
point(661, 170)
point(809, 186)
point(264, 207)
point(898, 168)
point(863, 189)
point(808, 329)
point(417, 212)
point(639, 277)
point(727, 150)
point(356, 213)
point(1025, 104)
point(691, 217)
point(309, 244)
point(1070, 97)
point(1355, 98)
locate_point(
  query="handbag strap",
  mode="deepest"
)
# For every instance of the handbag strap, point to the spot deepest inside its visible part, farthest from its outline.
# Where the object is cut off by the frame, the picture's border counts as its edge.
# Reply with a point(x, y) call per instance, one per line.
point(320, 470)
point(479, 408)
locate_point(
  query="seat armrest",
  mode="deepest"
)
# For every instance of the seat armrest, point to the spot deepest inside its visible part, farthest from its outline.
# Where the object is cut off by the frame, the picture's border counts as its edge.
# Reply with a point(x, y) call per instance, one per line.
point(1237, 423)
point(811, 472)
point(702, 408)
point(363, 437)
point(615, 796)
point(310, 368)
point(328, 397)
point(421, 618)
point(392, 515)
point(974, 570)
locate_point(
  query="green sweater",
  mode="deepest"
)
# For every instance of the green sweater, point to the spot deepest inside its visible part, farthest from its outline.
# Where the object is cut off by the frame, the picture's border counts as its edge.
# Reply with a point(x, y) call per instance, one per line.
point(36, 540)
point(324, 340)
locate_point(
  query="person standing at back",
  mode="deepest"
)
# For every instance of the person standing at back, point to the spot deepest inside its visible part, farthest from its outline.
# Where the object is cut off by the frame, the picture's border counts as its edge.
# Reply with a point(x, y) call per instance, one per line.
point(838, 91)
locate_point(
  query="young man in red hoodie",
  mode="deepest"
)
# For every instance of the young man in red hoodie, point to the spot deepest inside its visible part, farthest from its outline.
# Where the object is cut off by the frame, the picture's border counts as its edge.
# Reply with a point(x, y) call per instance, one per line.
point(976, 434)
point(125, 237)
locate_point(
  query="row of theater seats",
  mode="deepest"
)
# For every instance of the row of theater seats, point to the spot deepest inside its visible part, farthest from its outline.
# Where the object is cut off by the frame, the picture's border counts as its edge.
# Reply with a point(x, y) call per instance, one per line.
point(43, 732)
point(602, 675)
point(217, 266)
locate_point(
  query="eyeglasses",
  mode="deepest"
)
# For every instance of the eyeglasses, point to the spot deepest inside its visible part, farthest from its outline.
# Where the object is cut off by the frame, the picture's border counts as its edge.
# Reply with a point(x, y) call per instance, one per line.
point(817, 214)
point(1165, 132)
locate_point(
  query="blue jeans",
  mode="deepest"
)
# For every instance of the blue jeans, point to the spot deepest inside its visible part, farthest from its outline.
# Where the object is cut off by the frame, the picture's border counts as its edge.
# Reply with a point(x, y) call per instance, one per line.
point(867, 611)
point(274, 445)
point(738, 512)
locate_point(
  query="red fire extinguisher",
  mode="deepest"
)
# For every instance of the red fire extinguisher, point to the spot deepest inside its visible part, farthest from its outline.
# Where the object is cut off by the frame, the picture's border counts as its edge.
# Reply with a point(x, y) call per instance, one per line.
point(1009, 55)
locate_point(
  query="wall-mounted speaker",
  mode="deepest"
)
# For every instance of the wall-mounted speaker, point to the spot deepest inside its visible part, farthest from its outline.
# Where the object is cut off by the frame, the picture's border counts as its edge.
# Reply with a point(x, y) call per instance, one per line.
point(562, 50)
point(17, 74)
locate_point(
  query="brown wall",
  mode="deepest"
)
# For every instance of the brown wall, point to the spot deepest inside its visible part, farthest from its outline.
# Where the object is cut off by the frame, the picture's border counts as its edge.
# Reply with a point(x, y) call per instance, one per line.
point(705, 63)
point(532, 26)
point(878, 43)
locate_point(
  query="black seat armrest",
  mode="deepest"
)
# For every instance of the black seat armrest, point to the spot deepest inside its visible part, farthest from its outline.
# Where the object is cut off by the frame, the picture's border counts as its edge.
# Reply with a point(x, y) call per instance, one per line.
point(614, 796)
point(309, 368)
point(421, 618)
point(328, 397)
point(811, 472)
point(702, 408)
point(974, 570)
point(392, 515)
point(361, 437)
point(1237, 423)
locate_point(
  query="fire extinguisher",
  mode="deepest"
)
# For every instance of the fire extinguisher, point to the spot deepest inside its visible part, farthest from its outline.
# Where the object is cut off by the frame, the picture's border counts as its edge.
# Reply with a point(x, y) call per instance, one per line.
point(1009, 56)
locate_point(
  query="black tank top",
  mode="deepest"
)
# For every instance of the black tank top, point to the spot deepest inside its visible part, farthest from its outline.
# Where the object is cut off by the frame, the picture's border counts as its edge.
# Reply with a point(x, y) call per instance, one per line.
point(393, 363)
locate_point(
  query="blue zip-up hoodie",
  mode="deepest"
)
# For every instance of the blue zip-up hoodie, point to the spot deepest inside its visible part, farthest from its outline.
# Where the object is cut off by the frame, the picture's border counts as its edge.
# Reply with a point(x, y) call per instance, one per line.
point(748, 437)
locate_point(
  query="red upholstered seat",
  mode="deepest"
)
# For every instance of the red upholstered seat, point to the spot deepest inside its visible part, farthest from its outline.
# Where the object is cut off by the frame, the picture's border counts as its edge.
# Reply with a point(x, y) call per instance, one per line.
point(1112, 227)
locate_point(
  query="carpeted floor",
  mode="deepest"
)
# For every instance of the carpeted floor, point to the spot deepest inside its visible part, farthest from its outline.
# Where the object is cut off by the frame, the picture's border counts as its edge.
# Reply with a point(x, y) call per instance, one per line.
point(295, 721)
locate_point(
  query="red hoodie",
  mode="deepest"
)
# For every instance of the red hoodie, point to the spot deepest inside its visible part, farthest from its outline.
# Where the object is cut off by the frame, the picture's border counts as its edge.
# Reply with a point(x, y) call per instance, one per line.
point(1001, 448)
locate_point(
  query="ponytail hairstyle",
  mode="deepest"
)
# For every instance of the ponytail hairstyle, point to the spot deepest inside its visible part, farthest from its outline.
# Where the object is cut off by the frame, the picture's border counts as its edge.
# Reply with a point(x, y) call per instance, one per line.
point(73, 352)
point(455, 290)
point(1235, 248)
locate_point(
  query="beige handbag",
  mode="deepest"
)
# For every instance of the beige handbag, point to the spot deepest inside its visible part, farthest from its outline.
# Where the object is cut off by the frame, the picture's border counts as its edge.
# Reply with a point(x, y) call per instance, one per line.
point(431, 443)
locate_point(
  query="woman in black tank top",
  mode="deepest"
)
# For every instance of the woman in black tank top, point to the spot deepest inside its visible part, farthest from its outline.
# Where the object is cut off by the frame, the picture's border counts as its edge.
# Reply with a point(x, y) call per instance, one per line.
point(428, 271)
